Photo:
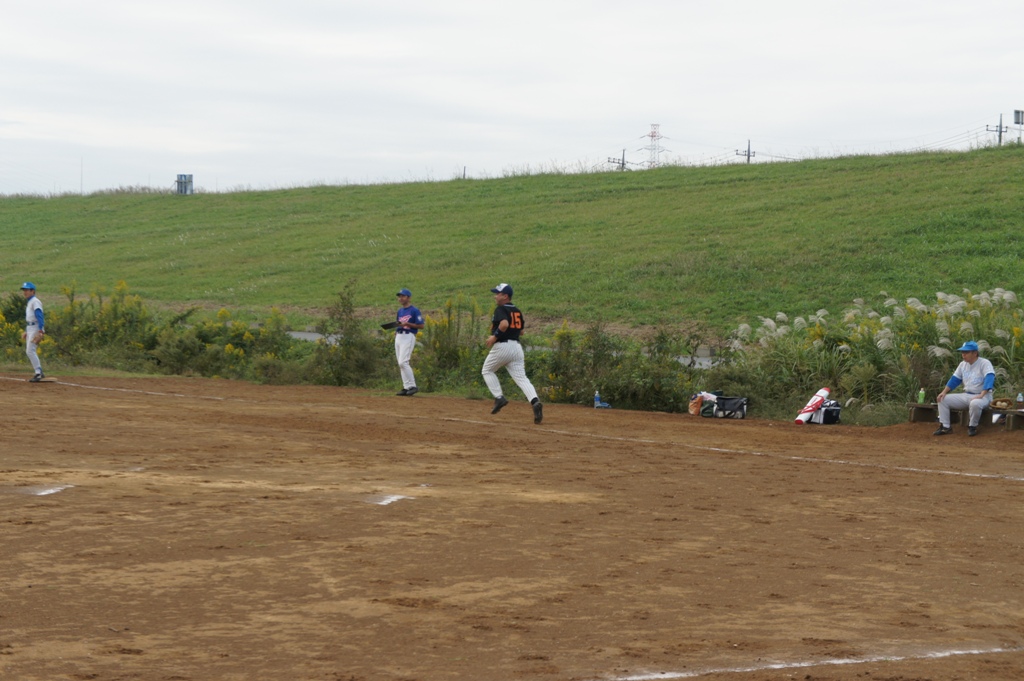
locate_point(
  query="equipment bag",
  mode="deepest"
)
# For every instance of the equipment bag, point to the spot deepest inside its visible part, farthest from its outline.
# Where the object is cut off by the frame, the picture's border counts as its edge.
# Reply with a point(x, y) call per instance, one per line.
point(828, 413)
point(707, 409)
point(731, 408)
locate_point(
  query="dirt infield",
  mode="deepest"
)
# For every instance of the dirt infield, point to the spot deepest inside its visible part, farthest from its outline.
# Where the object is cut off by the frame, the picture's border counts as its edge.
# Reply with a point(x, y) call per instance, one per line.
point(190, 529)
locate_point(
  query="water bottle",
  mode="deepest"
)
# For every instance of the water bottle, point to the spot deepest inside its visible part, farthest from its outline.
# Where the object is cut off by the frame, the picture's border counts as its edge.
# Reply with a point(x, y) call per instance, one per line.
point(1020, 401)
point(597, 399)
point(920, 396)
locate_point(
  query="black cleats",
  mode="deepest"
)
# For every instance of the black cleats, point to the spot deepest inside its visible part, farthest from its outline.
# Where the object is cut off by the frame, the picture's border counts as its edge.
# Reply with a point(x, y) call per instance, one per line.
point(972, 430)
point(499, 402)
point(35, 379)
point(411, 391)
point(943, 430)
point(538, 412)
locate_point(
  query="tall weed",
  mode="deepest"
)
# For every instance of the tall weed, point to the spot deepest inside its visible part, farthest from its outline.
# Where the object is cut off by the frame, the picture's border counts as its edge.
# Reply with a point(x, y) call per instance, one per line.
point(452, 349)
point(880, 354)
point(116, 330)
point(348, 353)
point(12, 314)
point(628, 373)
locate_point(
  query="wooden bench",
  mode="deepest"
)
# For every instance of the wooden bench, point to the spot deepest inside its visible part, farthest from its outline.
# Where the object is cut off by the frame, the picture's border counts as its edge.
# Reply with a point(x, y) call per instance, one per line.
point(1014, 418)
point(930, 412)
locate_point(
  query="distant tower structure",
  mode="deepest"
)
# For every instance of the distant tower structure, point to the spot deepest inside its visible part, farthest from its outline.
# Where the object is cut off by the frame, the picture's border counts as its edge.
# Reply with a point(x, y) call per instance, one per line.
point(184, 184)
point(655, 146)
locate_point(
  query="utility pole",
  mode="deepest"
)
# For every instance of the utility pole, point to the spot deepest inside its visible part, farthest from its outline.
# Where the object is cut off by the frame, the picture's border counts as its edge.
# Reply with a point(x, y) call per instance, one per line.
point(748, 153)
point(1018, 120)
point(1000, 129)
point(621, 164)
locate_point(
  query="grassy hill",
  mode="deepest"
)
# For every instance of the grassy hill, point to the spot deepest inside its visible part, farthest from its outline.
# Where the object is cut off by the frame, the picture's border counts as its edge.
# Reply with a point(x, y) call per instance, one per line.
point(666, 246)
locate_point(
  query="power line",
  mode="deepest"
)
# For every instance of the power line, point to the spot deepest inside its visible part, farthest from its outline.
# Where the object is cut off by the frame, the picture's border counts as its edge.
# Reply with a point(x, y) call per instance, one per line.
point(952, 141)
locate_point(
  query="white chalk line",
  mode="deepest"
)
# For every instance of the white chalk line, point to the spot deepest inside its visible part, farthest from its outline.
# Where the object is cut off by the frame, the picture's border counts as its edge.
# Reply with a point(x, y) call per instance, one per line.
point(36, 490)
point(128, 390)
point(385, 499)
point(828, 662)
point(145, 392)
point(791, 457)
point(598, 436)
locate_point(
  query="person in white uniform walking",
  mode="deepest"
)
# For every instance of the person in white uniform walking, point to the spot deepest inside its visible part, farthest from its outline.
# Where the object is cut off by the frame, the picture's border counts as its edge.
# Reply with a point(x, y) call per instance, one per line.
point(505, 351)
point(34, 329)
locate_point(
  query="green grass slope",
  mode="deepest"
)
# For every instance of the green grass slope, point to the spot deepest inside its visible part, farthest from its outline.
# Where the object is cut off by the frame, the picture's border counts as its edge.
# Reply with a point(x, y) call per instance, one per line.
point(666, 246)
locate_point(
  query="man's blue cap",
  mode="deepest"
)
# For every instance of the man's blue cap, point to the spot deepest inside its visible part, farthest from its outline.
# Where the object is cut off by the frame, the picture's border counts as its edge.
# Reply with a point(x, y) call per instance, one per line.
point(29, 286)
point(502, 288)
point(969, 346)
point(404, 292)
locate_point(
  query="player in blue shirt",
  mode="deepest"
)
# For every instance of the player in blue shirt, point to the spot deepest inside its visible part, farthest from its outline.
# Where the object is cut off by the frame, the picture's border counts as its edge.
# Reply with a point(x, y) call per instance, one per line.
point(34, 328)
point(410, 321)
point(978, 378)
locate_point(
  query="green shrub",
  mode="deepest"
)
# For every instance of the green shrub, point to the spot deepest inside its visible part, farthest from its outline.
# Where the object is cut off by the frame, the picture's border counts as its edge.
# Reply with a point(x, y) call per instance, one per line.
point(874, 357)
point(177, 351)
point(451, 350)
point(880, 355)
point(629, 373)
point(580, 363)
point(12, 312)
point(116, 332)
point(228, 348)
point(12, 309)
point(272, 370)
point(348, 354)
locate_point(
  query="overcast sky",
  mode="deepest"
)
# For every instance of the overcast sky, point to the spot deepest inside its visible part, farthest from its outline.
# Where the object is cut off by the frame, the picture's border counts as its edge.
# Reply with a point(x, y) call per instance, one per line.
point(115, 93)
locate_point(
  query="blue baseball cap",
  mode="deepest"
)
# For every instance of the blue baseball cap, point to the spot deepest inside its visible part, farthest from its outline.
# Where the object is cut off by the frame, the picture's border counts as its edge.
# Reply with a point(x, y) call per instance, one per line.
point(502, 288)
point(404, 292)
point(969, 346)
point(28, 285)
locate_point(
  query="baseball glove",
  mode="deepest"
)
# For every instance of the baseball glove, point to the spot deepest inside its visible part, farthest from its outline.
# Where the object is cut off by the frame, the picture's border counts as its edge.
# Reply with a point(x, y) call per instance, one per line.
point(1002, 403)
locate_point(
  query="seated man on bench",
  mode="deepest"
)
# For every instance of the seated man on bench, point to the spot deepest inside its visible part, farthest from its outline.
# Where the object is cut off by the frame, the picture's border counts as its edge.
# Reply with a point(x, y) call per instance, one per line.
point(978, 378)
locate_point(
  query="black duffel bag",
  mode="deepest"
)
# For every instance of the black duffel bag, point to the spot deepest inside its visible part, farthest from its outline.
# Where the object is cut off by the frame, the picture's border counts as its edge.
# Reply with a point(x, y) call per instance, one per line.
point(731, 407)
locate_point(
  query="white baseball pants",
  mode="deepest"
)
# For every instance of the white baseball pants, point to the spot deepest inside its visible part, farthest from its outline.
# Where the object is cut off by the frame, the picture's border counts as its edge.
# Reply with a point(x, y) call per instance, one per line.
point(30, 348)
point(404, 344)
point(510, 355)
point(972, 403)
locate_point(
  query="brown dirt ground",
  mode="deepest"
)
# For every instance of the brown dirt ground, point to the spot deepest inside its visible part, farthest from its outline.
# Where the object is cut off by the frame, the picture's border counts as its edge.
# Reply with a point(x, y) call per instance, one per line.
point(221, 530)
